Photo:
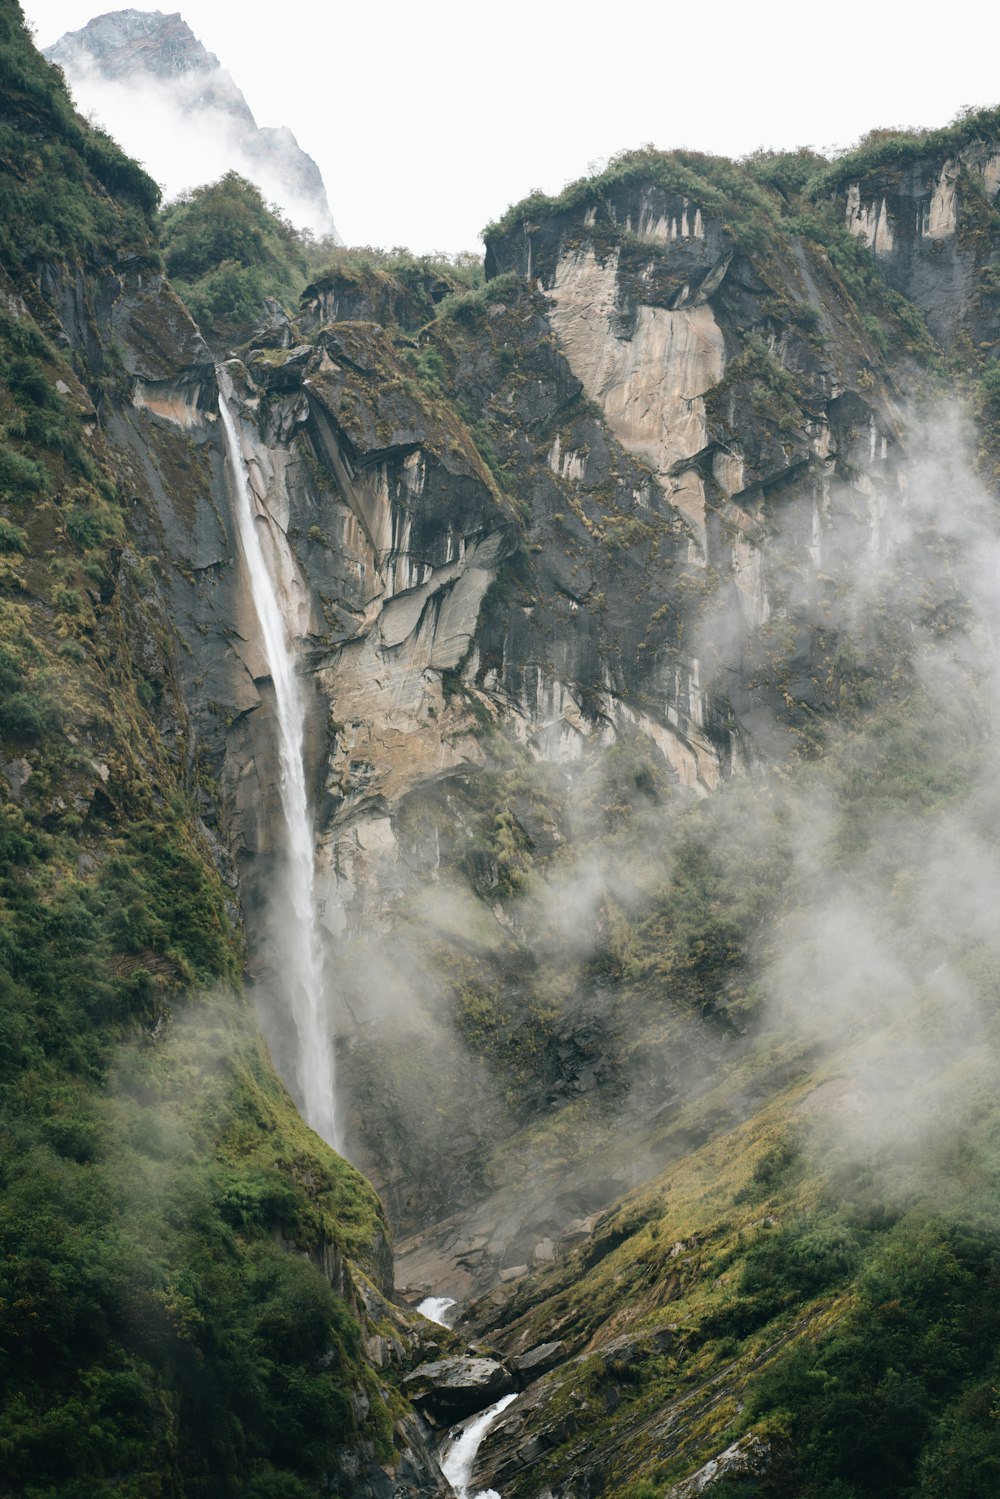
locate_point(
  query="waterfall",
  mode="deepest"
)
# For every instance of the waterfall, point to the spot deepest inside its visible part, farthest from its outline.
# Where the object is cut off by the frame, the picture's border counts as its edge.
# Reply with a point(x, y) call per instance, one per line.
point(460, 1458)
point(300, 965)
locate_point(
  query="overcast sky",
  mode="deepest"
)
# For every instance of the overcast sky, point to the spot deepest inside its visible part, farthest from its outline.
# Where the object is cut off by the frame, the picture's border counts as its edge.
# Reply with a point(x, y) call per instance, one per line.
point(428, 120)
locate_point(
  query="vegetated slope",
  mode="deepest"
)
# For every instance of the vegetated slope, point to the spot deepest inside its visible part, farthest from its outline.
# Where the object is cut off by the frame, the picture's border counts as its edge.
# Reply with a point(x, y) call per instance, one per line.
point(819, 1275)
point(189, 1276)
point(226, 253)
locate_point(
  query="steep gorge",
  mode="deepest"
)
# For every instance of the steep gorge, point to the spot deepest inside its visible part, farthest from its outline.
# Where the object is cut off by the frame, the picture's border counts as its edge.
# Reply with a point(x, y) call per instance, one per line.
point(601, 578)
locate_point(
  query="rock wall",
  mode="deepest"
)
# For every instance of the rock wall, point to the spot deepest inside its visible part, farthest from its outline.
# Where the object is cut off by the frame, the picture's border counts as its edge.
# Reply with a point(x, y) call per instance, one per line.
point(928, 222)
point(676, 429)
point(685, 434)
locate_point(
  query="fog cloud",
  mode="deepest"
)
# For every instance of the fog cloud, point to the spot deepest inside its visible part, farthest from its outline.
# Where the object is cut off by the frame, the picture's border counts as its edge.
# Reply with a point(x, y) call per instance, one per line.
point(184, 140)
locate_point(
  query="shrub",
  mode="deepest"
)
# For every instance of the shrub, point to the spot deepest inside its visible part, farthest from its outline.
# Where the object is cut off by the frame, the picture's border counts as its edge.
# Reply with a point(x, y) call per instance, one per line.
point(12, 538)
point(21, 478)
point(26, 716)
point(228, 251)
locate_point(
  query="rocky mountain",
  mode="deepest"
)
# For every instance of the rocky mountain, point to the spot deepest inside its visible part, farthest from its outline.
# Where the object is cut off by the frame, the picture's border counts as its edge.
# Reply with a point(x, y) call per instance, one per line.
point(640, 612)
point(128, 52)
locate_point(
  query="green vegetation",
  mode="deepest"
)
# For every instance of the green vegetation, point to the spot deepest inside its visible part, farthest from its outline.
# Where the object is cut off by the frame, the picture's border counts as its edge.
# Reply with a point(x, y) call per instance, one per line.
point(742, 194)
point(720, 187)
point(871, 1406)
point(464, 269)
point(470, 306)
point(893, 148)
point(226, 251)
point(38, 421)
point(66, 188)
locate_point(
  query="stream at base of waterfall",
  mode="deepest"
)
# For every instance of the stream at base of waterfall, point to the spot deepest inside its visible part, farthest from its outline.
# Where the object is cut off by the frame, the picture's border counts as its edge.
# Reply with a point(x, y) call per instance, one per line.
point(460, 1457)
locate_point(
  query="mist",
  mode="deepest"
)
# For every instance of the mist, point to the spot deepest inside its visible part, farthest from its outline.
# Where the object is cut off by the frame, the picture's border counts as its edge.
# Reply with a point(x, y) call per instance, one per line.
point(184, 140)
point(543, 1008)
point(883, 957)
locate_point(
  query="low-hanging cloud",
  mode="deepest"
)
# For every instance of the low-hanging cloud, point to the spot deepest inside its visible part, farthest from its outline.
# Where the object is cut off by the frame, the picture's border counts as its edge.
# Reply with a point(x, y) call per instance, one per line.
point(184, 138)
point(885, 957)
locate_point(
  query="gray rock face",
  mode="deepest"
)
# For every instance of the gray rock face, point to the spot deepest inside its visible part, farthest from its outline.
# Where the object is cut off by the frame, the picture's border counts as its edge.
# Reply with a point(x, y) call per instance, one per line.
point(928, 223)
point(122, 42)
point(539, 1360)
point(747, 1459)
point(415, 1475)
point(159, 53)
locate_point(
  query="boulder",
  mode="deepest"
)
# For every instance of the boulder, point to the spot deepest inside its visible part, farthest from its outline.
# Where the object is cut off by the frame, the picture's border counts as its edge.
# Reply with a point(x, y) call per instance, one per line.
point(453, 1388)
point(745, 1460)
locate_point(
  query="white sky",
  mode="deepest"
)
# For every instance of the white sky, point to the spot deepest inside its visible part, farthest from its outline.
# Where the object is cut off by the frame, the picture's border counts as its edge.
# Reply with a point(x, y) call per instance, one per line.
point(428, 120)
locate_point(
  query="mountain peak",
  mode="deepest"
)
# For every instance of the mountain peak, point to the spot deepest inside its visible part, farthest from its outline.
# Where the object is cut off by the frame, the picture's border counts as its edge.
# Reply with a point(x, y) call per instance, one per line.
point(125, 41)
point(196, 99)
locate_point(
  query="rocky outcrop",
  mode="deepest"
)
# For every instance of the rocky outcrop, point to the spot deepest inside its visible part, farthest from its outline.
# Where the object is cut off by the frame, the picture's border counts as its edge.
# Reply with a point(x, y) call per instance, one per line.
point(745, 1460)
point(669, 325)
point(414, 1473)
point(372, 295)
point(928, 216)
point(454, 1388)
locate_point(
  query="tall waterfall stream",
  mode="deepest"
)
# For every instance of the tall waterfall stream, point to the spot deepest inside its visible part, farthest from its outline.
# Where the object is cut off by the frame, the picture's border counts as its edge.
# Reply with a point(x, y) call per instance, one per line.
point(301, 969)
point(301, 957)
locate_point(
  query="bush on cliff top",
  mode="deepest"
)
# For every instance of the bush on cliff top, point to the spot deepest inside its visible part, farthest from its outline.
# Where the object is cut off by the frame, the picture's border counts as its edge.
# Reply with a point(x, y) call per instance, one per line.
point(226, 251)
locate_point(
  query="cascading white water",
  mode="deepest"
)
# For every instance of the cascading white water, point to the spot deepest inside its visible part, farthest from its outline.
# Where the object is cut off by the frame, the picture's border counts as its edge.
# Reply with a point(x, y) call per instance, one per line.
point(436, 1309)
point(301, 965)
point(460, 1458)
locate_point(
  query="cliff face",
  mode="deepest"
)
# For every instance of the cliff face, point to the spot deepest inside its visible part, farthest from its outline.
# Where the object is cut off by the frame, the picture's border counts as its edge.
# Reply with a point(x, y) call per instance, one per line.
point(687, 413)
point(927, 220)
point(701, 412)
